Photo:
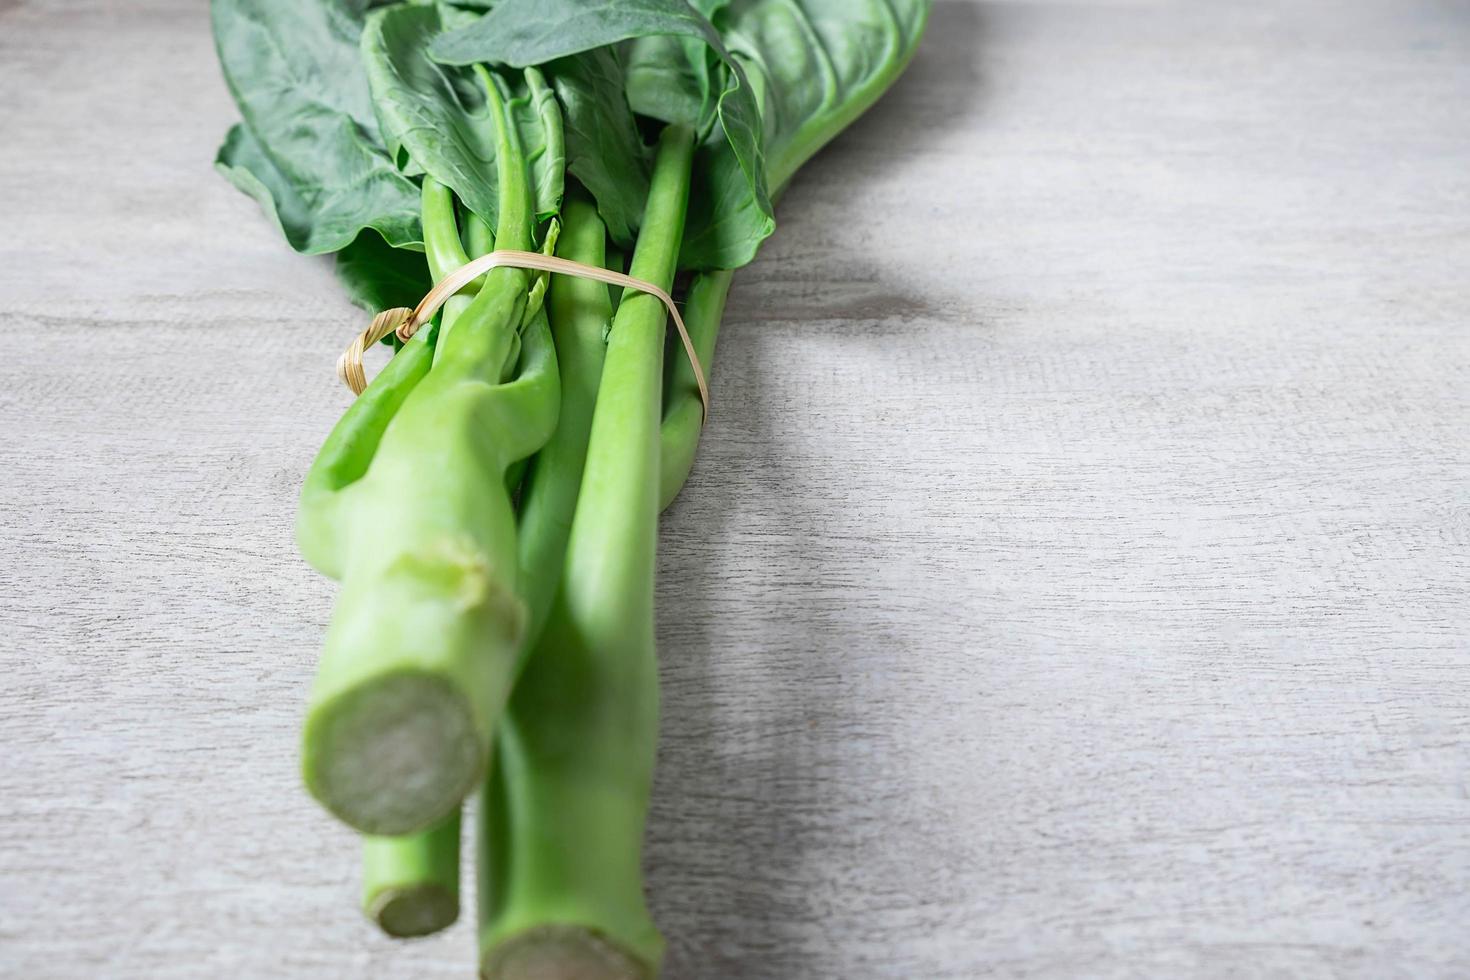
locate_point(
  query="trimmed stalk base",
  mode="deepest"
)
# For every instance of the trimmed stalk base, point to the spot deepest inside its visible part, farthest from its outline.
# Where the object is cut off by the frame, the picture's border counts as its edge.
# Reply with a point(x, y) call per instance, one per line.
point(562, 952)
point(393, 755)
point(410, 912)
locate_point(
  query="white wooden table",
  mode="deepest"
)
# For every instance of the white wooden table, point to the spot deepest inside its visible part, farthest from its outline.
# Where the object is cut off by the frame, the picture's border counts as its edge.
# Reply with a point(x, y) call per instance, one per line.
point(1073, 581)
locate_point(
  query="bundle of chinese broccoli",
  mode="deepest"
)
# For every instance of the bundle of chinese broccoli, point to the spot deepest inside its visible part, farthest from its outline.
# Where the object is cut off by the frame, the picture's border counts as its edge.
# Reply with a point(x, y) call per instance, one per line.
point(489, 503)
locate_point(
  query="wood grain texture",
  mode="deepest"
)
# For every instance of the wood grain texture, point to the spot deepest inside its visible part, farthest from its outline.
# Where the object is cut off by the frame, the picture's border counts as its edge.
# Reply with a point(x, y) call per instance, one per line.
point(1073, 581)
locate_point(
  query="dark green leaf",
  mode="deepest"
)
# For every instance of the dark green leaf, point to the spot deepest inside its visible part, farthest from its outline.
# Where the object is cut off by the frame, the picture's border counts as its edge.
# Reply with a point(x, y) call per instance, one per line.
point(814, 66)
point(669, 80)
point(242, 161)
point(529, 32)
point(603, 148)
point(379, 277)
point(533, 32)
point(436, 118)
point(309, 149)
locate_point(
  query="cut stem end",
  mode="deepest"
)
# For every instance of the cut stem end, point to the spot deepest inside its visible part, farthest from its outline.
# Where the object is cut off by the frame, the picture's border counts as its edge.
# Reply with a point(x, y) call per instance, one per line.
point(561, 952)
point(418, 910)
point(393, 755)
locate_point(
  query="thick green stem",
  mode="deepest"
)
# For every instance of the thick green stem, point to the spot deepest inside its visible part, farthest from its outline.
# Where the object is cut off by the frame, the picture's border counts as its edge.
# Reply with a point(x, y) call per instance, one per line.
point(561, 884)
point(425, 638)
point(410, 884)
point(611, 552)
point(683, 422)
point(423, 643)
point(579, 310)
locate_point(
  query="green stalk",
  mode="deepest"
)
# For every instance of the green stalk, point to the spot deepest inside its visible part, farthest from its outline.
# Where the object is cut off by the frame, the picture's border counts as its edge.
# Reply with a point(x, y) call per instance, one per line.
point(580, 311)
point(704, 307)
point(561, 883)
point(424, 641)
point(410, 884)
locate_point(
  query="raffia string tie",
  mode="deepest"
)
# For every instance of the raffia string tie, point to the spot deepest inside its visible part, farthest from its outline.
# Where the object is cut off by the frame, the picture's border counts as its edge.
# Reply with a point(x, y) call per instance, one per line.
point(406, 322)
